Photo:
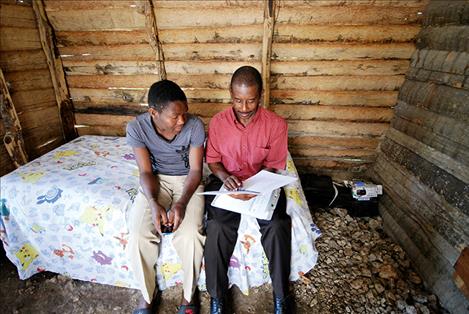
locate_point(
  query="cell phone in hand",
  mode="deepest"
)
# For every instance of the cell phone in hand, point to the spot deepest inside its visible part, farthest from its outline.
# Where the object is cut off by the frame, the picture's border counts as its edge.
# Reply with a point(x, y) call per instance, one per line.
point(166, 229)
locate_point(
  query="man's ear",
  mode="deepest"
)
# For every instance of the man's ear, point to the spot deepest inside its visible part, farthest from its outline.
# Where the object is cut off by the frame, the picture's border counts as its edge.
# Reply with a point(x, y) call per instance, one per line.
point(153, 112)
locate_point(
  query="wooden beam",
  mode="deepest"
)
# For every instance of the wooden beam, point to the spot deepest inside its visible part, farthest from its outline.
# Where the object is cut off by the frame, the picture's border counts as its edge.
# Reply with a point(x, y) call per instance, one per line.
point(54, 63)
point(13, 138)
point(155, 43)
point(270, 9)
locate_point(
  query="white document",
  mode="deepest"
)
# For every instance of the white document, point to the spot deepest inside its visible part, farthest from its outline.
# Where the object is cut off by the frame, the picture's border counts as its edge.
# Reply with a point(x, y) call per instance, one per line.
point(267, 184)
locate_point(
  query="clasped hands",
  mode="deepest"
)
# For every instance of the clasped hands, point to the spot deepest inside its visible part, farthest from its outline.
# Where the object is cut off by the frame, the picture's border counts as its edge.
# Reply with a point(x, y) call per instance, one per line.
point(173, 218)
point(232, 183)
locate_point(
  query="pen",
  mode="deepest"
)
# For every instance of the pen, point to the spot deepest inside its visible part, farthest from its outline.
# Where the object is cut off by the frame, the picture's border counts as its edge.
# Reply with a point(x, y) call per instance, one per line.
point(247, 191)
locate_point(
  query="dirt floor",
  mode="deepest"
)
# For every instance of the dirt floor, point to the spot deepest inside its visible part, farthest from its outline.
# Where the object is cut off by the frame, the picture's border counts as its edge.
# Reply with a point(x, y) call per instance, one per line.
point(360, 270)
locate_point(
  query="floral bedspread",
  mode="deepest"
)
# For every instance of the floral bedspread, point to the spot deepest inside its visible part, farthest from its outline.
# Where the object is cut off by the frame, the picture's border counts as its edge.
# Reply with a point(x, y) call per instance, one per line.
point(65, 212)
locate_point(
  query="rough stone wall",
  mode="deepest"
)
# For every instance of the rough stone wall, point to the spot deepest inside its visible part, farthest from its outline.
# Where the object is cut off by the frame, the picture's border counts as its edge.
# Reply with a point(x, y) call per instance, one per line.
point(423, 160)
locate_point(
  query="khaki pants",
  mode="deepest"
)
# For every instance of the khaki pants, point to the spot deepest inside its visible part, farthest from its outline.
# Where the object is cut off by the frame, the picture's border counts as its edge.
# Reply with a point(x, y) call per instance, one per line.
point(188, 240)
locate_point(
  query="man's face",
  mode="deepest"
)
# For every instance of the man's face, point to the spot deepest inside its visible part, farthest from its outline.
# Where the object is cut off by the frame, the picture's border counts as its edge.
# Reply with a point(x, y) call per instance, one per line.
point(245, 101)
point(171, 119)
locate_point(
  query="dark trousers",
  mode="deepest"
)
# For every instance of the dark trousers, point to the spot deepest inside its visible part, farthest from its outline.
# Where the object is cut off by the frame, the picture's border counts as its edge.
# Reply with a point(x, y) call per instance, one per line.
point(222, 232)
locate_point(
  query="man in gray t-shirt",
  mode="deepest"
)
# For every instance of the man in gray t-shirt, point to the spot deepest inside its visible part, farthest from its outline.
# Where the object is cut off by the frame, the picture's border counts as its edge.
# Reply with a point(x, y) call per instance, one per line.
point(168, 146)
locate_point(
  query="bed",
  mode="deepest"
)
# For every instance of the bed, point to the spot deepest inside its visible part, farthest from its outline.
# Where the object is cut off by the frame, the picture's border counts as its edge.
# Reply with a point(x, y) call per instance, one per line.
point(65, 212)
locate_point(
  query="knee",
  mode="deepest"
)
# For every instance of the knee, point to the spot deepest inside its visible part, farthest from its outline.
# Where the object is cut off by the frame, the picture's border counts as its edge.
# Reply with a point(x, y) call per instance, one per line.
point(280, 226)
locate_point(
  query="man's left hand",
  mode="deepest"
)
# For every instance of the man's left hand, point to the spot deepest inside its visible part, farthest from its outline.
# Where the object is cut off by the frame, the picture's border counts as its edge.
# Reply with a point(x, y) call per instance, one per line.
point(176, 215)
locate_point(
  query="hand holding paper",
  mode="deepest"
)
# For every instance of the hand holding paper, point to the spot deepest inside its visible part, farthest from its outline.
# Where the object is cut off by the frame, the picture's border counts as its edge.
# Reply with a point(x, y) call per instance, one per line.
point(264, 184)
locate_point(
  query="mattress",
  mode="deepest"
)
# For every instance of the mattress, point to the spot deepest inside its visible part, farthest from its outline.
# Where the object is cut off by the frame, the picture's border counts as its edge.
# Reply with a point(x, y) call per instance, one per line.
point(65, 212)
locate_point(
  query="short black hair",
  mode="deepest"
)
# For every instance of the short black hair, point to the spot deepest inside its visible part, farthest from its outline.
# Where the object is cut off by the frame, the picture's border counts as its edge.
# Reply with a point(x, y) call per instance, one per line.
point(247, 75)
point(163, 92)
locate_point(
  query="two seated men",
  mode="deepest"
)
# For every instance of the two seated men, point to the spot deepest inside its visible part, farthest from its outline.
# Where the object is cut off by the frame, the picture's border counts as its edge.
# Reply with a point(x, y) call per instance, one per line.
point(168, 144)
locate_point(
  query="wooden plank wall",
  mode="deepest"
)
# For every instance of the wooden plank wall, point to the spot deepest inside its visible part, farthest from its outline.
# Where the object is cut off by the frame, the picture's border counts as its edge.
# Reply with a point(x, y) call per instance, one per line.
point(23, 63)
point(335, 71)
point(424, 159)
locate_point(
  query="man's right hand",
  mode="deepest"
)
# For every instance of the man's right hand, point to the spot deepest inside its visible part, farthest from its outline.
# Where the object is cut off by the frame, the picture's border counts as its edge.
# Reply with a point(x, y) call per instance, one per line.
point(232, 183)
point(158, 215)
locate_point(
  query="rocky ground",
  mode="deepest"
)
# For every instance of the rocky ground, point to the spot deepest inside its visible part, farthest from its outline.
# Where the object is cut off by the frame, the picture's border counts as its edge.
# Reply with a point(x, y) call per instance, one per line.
point(360, 270)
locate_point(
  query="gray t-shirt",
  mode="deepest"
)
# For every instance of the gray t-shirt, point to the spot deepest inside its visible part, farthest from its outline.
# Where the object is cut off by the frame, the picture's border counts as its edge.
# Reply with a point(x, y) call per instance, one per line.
point(167, 157)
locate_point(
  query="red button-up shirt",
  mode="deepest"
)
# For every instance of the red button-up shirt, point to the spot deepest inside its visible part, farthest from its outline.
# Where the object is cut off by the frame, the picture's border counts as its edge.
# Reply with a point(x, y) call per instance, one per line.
point(244, 151)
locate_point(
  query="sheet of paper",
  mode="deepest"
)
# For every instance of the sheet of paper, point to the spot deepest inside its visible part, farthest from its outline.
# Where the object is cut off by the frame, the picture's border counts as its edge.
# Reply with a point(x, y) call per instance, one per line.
point(262, 206)
point(266, 181)
point(227, 192)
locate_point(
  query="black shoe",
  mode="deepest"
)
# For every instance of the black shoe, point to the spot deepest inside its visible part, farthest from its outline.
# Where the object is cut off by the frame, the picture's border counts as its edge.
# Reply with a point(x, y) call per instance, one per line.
point(216, 306)
point(284, 306)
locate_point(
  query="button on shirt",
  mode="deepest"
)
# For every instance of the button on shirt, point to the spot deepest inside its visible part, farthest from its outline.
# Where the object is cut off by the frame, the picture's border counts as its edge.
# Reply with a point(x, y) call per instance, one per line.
point(244, 151)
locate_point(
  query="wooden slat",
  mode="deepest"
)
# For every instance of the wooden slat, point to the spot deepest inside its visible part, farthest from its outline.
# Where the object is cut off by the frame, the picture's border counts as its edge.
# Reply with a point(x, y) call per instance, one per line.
point(441, 143)
point(445, 126)
point(101, 130)
point(29, 80)
point(25, 100)
point(425, 206)
point(149, 67)
point(101, 38)
point(337, 163)
point(349, 113)
point(343, 98)
point(197, 16)
point(362, 82)
point(447, 37)
point(444, 13)
point(105, 81)
point(108, 96)
point(366, 143)
point(441, 99)
point(341, 51)
point(151, 27)
point(342, 67)
point(433, 156)
point(141, 52)
point(22, 60)
point(127, 18)
point(270, 14)
point(241, 51)
point(14, 38)
point(330, 128)
point(13, 15)
point(13, 138)
point(289, 3)
point(453, 190)
point(353, 3)
point(313, 152)
point(39, 117)
point(294, 33)
point(110, 67)
point(452, 62)
point(102, 120)
point(77, 5)
point(349, 15)
point(208, 34)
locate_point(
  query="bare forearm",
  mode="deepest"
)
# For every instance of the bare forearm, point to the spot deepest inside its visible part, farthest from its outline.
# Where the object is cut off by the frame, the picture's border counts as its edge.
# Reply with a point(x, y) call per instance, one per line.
point(190, 185)
point(150, 185)
point(219, 170)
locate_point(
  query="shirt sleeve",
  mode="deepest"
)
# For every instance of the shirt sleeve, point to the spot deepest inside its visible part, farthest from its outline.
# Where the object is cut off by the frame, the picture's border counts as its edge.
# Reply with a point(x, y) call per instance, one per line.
point(198, 133)
point(213, 150)
point(277, 156)
point(133, 137)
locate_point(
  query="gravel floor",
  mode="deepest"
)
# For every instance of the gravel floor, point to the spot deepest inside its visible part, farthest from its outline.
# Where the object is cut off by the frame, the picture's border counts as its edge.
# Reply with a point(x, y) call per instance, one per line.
point(360, 270)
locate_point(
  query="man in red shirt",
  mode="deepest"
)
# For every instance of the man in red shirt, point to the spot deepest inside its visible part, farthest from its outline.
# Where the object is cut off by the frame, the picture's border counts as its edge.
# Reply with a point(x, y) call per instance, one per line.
point(242, 140)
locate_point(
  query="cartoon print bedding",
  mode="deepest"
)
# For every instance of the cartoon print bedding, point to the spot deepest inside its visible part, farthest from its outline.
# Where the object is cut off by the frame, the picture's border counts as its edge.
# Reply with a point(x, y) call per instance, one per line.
point(65, 212)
